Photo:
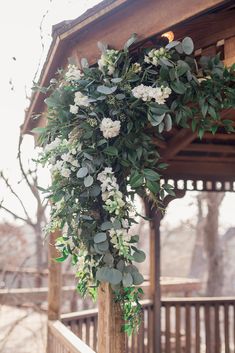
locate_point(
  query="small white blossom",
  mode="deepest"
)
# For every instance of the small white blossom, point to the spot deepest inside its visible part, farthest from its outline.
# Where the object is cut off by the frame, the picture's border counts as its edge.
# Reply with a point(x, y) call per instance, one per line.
point(73, 73)
point(147, 93)
point(136, 68)
point(65, 172)
point(110, 128)
point(155, 54)
point(108, 60)
point(53, 145)
point(73, 109)
point(81, 100)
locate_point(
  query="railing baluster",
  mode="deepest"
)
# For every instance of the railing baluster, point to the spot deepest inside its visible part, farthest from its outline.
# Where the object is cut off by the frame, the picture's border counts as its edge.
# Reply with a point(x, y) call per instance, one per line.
point(95, 333)
point(226, 328)
point(87, 328)
point(150, 330)
point(217, 329)
point(177, 328)
point(197, 329)
point(168, 329)
point(188, 328)
point(207, 328)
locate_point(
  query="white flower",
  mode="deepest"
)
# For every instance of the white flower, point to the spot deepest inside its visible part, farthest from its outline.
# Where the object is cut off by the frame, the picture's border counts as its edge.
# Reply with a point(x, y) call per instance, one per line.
point(147, 93)
point(66, 157)
point(57, 167)
point(110, 128)
point(73, 109)
point(81, 100)
point(108, 61)
point(125, 223)
point(136, 68)
point(74, 162)
point(53, 145)
point(65, 172)
point(73, 73)
point(155, 54)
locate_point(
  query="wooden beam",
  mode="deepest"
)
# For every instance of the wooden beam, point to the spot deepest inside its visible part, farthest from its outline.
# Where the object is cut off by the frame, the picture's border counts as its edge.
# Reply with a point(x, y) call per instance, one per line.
point(113, 24)
point(199, 29)
point(54, 279)
point(229, 51)
point(205, 158)
point(62, 339)
point(23, 296)
point(219, 136)
point(111, 338)
point(155, 272)
point(204, 147)
point(202, 170)
point(178, 142)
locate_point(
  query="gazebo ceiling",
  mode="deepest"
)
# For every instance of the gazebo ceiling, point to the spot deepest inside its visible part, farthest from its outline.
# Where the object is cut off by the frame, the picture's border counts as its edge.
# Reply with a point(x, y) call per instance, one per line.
point(210, 23)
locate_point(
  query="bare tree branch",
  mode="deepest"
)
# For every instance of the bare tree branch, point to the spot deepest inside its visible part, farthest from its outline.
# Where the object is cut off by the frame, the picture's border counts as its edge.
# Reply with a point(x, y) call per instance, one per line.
point(16, 195)
point(32, 187)
point(15, 215)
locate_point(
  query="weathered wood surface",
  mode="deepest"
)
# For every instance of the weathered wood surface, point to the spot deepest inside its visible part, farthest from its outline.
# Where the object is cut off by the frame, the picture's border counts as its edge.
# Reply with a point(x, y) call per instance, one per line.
point(54, 279)
point(21, 296)
point(61, 339)
point(111, 338)
point(188, 325)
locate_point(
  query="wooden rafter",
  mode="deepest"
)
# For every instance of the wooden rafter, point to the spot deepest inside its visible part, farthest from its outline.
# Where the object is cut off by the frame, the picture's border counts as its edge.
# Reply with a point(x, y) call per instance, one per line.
point(205, 147)
point(178, 143)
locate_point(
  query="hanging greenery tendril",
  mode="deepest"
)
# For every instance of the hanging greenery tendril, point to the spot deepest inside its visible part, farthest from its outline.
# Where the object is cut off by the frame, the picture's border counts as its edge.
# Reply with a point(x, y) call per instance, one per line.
point(98, 144)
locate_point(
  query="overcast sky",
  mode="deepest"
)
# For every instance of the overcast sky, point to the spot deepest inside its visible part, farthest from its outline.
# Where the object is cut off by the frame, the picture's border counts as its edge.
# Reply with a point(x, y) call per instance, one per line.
point(21, 50)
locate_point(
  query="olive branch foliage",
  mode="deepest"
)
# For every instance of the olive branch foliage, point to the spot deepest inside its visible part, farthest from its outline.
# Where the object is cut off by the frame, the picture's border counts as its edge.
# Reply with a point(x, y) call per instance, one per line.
point(92, 233)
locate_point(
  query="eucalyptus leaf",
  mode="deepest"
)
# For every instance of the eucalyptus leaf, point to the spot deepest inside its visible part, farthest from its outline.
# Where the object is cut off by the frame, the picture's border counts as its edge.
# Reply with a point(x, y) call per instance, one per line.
point(100, 237)
point(106, 226)
point(88, 181)
point(137, 278)
point(82, 172)
point(108, 259)
point(139, 256)
point(187, 45)
point(130, 41)
point(106, 90)
point(104, 246)
point(127, 279)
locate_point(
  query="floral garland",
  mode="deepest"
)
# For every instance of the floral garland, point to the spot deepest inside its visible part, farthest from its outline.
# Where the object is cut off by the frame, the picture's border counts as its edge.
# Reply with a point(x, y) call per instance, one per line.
point(100, 150)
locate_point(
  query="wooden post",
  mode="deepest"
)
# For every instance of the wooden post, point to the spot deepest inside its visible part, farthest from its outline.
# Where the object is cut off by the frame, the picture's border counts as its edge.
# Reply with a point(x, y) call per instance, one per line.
point(111, 339)
point(54, 282)
point(155, 272)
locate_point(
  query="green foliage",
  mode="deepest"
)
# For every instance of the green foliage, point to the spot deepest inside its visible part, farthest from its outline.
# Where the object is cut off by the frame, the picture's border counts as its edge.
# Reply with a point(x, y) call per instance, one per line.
point(100, 152)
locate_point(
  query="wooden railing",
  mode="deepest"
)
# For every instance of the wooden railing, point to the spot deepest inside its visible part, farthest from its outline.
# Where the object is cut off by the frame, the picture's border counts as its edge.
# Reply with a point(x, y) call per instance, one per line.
point(198, 325)
point(189, 325)
point(63, 340)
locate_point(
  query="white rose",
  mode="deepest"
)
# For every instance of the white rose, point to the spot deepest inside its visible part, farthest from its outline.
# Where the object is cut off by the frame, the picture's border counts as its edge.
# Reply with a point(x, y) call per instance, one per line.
point(73, 109)
point(110, 128)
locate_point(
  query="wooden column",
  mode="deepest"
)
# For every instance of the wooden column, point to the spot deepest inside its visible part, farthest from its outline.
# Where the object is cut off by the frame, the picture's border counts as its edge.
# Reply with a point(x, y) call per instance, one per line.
point(54, 282)
point(111, 339)
point(155, 272)
point(54, 279)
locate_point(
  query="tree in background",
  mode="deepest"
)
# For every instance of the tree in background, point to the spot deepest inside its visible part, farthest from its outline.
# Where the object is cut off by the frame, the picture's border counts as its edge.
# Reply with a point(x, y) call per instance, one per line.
point(38, 220)
point(208, 249)
point(212, 243)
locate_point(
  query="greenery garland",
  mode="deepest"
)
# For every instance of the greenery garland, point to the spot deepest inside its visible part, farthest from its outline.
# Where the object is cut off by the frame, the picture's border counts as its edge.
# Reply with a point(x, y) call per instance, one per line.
point(99, 147)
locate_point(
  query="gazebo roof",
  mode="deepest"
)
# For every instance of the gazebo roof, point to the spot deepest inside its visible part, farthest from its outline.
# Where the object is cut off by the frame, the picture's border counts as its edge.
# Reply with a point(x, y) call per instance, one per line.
point(113, 21)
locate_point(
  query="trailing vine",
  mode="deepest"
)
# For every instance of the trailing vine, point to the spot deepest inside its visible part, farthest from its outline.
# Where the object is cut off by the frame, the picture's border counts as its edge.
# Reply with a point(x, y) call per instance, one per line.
point(98, 144)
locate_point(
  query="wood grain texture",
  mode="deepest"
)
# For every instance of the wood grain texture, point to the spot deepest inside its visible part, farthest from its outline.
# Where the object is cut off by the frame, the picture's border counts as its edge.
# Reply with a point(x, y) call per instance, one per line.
point(111, 338)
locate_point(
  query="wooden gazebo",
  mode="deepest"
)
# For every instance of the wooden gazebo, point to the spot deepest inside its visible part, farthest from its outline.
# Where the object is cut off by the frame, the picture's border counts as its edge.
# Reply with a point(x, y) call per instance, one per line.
point(169, 325)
